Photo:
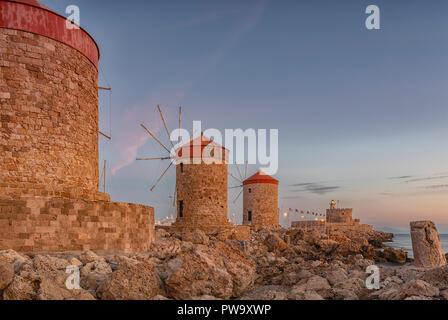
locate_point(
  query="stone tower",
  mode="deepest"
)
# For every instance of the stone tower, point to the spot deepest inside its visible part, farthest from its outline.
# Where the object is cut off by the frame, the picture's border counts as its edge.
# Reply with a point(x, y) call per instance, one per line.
point(201, 184)
point(48, 104)
point(260, 201)
point(49, 199)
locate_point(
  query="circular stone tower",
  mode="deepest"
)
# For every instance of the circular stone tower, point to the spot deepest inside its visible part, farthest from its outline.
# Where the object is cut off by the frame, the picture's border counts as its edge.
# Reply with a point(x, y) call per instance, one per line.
point(260, 201)
point(48, 104)
point(201, 186)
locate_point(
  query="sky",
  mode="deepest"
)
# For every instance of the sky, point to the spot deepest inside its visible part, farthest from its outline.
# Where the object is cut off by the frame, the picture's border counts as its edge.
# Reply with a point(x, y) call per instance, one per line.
point(361, 113)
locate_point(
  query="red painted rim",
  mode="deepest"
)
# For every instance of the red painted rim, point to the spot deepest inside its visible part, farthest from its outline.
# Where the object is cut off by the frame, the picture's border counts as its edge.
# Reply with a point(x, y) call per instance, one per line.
point(28, 17)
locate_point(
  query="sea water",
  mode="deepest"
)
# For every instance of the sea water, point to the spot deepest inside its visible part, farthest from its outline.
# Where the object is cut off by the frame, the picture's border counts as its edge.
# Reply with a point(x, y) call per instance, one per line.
point(403, 241)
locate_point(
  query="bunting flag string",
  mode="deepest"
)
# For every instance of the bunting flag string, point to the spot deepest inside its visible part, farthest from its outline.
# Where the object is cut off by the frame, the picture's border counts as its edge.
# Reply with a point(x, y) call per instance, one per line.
point(304, 215)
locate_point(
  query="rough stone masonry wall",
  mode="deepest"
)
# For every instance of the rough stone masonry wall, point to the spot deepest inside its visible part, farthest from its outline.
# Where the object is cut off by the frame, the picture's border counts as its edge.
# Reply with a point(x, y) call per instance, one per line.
point(340, 215)
point(49, 118)
point(309, 225)
point(48, 224)
point(263, 202)
point(203, 190)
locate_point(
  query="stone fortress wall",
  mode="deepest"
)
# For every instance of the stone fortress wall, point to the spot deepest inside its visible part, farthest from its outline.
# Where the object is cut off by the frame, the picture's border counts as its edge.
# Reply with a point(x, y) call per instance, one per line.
point(337, 219)
point(309, 225)
point(56, 224)
point(341, 219)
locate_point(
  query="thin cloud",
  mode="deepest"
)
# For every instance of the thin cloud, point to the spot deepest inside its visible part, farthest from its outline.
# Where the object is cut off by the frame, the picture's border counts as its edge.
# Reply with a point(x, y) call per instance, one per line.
point(291, 197)
point(400, 177)
point(436, 187)
point(303, 184)
point(315, 188)
point(426, 179)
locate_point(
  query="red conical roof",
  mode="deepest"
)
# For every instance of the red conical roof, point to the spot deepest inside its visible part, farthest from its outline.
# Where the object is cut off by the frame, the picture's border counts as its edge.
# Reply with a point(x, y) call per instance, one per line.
point(260, 177)
point(202, 141)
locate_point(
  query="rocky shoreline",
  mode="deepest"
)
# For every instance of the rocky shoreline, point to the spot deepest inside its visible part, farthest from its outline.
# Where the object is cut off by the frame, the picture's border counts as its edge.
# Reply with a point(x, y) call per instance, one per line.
point(274, 265)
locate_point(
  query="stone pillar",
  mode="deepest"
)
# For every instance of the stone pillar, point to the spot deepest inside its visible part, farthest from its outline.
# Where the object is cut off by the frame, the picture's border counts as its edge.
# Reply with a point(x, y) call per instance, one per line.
point(428, 252)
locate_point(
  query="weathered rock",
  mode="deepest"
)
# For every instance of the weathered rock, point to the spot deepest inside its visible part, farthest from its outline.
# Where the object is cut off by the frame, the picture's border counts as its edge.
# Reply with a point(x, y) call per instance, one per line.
point(275, 243)
point(395, 256)
point(98, 266)
point(317, 284)
point(75, 262)
point(166, 248)
point(220, 271)
point(132, 281)
point(418, 298)
point(437, 277)
point(241, 269)
point(196, 237)
point(328, 246)
point(160, 298)
point(161, 233)
point(355, 285)
point(13, 257)
point(336, 276)
point(344, 294)
point(270, 292)
point(444, 294)
point(417, 288)
point(89, 256)
point(428, 252)
point(55, 289)
point(205, 297)
point(19, 289)
point(94, 274)
point(301, 292)
point(6, 274)
point(348, 248)
point(198, 273)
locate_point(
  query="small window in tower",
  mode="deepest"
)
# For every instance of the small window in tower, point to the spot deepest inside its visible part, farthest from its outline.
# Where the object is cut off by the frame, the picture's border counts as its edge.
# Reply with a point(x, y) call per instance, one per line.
point(182, 167)
point(249, 216)
point(181, 209)
point(250, 190)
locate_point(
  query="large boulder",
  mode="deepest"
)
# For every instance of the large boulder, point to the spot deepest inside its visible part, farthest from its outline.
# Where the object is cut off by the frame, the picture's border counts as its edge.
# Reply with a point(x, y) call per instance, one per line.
point(133, 280)
point(355, 285)
point(395, 256)
point(196, 237)
point(274, 243)
point(270, 292)
point(301, 292)
point(349, 248)
point(94, 274)
point(44, 278)
point(428, 252)
point(6, 274)
point(17, 259)
point(54, 288)
point(20, 289)
point(336, 275)
point(437, 277)
point(221, 271)
point(417, 288)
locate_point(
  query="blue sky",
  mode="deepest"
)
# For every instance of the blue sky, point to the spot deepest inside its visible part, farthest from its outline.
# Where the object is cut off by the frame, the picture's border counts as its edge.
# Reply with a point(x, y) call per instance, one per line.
point(361, 114)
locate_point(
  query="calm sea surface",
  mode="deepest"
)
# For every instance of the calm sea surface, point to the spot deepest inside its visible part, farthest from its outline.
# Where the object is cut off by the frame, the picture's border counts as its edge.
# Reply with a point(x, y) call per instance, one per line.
point(403, 241)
